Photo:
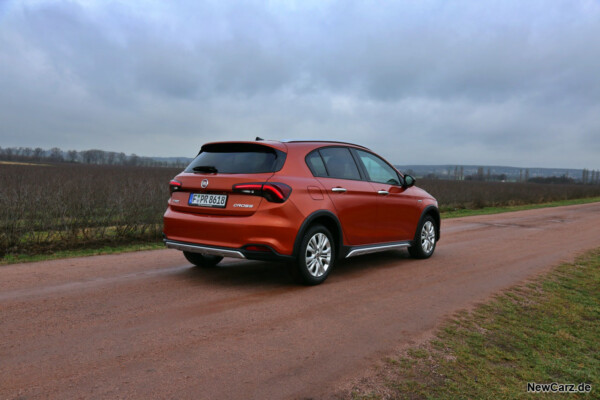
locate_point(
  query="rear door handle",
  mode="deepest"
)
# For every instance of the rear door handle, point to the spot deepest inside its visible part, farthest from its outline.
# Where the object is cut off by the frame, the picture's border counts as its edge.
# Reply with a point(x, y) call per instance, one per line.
point(338, 189)
point(384, 192)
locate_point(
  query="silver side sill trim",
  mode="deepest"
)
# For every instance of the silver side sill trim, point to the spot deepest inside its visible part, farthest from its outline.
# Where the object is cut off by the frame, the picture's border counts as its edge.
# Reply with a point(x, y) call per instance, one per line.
point(377, 248)
point(195, 248)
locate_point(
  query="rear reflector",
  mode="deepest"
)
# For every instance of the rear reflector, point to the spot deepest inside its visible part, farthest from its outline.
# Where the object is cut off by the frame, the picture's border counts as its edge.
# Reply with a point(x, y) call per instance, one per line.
point(258, 248)
point(272, 191)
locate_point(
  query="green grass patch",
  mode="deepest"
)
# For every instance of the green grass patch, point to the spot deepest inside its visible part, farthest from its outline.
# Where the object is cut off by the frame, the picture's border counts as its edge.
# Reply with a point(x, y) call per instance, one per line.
point(497, 210)
point(85, 252)
point(545, 331)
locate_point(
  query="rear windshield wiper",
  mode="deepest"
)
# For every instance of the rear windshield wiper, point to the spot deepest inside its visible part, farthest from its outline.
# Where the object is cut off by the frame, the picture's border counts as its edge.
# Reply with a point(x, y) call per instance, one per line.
point(205, 168)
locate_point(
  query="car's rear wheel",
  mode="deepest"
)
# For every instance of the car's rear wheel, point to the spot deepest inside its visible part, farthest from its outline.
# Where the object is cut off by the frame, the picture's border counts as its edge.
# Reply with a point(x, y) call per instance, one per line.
point(202, 260)
point(315, 257)
point(425, 240)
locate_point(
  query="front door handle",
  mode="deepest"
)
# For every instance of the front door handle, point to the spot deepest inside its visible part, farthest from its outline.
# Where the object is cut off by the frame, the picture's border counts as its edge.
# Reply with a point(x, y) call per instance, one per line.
point(383, 192)
point(338, 189)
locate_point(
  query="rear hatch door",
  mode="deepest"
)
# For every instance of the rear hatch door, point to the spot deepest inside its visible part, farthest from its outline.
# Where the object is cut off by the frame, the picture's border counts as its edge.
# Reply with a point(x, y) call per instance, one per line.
point(207, 184)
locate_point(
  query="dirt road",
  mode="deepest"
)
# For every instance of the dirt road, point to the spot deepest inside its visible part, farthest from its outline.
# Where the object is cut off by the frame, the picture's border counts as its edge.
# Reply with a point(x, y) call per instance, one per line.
point(149, 325)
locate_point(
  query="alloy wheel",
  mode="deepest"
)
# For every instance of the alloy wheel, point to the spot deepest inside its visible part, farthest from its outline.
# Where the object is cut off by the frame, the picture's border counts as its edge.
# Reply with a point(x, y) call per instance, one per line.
point(318, 254)
point(428, 237)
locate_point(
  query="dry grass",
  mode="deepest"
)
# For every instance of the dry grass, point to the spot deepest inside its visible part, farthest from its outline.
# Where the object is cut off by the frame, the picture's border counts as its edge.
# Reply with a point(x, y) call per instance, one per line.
point(23, 163)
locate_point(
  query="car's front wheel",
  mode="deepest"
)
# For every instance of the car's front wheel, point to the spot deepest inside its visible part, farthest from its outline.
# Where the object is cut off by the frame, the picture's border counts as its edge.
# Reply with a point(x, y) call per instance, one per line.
point(202, 260)
point(425, 240)
point(316, 256)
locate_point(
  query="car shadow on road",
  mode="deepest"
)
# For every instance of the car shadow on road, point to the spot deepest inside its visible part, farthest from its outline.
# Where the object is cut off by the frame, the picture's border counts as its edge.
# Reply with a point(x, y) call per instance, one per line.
point(356, 267)
point(252, 273)
point(239, 273)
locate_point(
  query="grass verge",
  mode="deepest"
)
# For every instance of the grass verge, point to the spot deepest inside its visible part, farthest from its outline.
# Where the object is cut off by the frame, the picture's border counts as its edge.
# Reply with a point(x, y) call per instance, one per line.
point(546, 331)
point(22, 258)
point(497, 210)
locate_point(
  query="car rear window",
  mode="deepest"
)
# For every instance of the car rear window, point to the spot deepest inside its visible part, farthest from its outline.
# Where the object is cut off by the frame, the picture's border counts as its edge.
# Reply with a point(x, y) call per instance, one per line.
point(237, 158)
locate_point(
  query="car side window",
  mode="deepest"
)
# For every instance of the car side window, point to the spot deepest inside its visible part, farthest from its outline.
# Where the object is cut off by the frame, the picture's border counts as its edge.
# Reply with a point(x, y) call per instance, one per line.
point(315, 163)
point(377, 169)
point(340, 163)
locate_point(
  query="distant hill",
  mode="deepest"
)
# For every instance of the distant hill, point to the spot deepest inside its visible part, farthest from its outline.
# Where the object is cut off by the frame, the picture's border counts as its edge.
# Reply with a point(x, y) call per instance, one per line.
point(512, 173)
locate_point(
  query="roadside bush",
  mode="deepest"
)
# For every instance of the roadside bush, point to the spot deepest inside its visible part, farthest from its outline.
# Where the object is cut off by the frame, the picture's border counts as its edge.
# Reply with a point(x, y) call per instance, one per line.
point(62, 206)
point(453, 195)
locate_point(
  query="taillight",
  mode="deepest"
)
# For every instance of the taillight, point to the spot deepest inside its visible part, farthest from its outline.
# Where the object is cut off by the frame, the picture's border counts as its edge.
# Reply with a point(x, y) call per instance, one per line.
point(273, 191)
point(174, 185)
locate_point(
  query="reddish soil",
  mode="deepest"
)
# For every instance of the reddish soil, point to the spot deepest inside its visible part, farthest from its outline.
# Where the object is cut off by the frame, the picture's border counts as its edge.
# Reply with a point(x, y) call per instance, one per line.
point(148, 324)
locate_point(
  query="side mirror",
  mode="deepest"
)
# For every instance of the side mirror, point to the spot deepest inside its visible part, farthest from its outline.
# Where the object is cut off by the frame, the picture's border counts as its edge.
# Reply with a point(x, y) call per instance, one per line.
point(409, 181)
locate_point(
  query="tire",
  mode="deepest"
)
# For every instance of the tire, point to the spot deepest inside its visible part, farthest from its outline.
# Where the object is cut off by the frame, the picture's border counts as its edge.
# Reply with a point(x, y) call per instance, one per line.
point(202, 260)
point(316, 256)
point(425, 239)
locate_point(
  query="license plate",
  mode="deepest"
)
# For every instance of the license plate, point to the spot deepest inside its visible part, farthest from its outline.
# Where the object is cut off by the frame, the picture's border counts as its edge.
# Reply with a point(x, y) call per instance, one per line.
point(208, 200)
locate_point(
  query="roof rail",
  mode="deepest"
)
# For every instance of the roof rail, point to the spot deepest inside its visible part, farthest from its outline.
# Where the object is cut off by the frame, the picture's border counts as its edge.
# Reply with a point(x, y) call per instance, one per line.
point(321, 141)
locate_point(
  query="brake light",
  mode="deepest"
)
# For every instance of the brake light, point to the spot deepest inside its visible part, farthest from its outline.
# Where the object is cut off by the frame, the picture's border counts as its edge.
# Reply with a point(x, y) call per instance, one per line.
point(248, 188)
point(174, 185)
point(273, 191)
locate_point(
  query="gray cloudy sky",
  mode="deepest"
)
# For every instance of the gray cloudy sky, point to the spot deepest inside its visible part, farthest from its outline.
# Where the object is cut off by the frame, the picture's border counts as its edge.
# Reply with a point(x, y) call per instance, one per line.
point(432, 82)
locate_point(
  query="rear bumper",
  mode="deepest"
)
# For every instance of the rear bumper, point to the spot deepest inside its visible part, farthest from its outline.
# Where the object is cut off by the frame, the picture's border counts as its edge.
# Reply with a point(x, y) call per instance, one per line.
point(228, 252)
point(208, 250)
point(275, 228)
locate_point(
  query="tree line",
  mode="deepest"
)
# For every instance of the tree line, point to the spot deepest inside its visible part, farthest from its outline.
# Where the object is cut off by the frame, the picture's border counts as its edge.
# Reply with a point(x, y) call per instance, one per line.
point(92, 156)
point(484, 174)
point(590, 177)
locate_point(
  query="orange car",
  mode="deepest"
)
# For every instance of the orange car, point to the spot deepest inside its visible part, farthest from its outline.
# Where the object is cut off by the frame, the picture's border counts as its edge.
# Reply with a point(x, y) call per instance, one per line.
point(307, 203)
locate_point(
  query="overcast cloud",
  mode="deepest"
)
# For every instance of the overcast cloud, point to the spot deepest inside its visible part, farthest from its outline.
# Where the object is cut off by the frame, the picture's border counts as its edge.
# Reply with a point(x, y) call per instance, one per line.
point(421, 82)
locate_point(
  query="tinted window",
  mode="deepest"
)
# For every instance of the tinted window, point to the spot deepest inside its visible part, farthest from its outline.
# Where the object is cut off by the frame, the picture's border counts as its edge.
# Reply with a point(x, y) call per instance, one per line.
point(315, 163)
point(339, 163)
point(378, 170)
point(237, 158)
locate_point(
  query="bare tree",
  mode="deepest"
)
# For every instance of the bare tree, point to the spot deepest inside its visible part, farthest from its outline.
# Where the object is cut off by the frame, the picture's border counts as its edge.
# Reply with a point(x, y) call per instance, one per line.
point(72, 156)
point(56, 154)
point(111, 157)
point(133, 160)
point(28, 152)
point(479, 173)
point(37, 153)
